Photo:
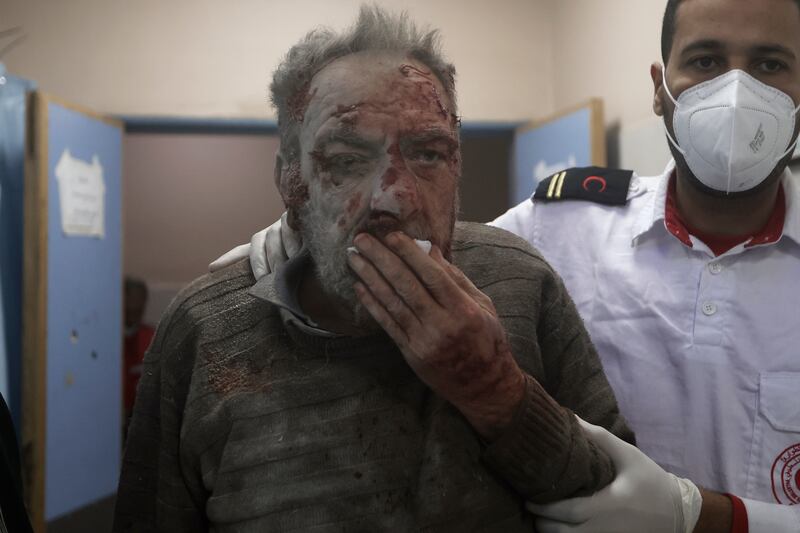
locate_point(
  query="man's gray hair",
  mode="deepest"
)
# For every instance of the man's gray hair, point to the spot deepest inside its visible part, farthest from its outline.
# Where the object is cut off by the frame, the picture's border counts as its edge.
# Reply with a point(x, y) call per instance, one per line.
point(375, 29)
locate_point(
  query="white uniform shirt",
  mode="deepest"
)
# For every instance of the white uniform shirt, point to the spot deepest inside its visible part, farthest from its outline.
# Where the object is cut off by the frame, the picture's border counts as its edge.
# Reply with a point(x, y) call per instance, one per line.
point(703, 352)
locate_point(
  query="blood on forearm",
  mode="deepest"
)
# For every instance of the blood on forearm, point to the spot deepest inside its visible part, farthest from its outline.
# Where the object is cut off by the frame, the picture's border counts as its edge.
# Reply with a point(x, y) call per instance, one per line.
point(498, 405)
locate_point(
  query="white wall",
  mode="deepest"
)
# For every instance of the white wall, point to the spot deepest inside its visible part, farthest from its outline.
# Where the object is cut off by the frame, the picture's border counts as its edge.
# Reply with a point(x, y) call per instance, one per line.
point(604, 48)
point(214, 58)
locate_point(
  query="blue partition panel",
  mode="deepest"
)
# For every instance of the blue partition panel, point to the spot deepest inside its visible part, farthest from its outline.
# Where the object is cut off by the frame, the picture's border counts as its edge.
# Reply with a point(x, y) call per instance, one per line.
point(12, 177)
point(84, 323)
point(545, 149)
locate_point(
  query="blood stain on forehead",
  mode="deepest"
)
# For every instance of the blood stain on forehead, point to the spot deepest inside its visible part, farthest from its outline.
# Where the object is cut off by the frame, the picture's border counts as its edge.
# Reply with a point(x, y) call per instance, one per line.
point(412, 71)
point(419, 88)
point(407, 70)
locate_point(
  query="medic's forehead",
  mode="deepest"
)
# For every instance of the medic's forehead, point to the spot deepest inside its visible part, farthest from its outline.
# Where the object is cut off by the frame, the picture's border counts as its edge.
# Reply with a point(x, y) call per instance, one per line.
point(737, 26)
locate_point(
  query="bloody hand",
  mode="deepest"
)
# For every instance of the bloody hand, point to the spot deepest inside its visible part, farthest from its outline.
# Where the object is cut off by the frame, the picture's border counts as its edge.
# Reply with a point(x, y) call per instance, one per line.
point(447, 329)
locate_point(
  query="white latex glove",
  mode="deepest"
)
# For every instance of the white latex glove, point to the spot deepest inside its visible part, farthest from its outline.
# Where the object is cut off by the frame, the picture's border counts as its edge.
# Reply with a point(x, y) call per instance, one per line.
point(642, 497)
point(267, 249)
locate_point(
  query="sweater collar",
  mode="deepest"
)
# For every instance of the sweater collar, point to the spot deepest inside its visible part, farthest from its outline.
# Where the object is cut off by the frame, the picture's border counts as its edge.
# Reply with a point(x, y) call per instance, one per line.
point(281, 287)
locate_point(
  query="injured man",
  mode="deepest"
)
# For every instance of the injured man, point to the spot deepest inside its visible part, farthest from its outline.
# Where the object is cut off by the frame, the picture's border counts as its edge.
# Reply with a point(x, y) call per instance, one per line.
point(403, 371)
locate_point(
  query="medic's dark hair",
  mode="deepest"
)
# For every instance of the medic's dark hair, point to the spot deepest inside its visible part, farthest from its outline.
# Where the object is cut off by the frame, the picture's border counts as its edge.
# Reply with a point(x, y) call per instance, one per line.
point(668, 27)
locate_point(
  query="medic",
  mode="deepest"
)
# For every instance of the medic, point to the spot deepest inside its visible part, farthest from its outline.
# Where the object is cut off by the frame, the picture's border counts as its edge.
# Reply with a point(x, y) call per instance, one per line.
point(689, 290)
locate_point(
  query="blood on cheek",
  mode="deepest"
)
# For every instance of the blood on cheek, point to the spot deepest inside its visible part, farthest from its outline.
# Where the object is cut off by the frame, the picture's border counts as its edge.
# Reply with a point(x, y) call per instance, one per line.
point(351, 210)
point(295, 190)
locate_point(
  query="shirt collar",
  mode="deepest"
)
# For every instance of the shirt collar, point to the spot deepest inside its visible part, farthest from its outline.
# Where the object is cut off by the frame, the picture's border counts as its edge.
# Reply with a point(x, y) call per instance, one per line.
point(791, 225)
point(655, 208)
point(280, 288)
point(654, 212)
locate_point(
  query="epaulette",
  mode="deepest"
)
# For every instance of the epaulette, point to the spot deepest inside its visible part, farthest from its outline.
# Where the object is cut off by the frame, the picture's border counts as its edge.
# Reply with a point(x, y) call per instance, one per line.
point(595, 184)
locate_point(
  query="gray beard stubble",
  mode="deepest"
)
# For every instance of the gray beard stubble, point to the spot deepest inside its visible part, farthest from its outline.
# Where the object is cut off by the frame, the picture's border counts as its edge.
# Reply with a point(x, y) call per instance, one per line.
point(330, 263)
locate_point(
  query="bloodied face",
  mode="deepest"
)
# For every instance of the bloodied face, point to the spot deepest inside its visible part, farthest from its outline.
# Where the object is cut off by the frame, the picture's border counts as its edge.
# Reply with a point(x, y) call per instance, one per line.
point(379, 152)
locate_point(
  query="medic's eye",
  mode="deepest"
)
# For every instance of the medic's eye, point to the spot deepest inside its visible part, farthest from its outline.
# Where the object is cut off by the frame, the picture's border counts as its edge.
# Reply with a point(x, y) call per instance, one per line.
point(704, 63)
point(771, 66)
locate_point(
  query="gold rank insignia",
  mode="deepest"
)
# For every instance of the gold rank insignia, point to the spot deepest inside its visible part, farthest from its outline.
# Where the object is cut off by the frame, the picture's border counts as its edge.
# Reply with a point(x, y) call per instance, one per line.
point(594, 184)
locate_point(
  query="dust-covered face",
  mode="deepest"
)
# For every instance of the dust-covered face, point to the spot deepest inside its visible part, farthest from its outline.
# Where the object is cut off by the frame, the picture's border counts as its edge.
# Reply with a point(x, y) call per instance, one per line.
point(379, 153)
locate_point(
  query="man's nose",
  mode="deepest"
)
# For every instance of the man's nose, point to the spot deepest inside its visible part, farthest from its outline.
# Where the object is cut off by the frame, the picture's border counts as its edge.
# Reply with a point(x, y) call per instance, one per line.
point(396, 190)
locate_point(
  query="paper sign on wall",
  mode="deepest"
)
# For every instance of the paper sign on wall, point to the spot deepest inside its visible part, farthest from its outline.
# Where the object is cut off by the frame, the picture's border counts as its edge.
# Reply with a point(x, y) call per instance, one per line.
point(82, 193)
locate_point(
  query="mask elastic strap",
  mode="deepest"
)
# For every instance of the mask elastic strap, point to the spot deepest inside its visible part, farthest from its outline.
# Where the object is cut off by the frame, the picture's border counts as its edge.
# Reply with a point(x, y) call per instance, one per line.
point(790, 149)
point(666, 87)
point(673, 141)
point(794, 144)
point(666, 130)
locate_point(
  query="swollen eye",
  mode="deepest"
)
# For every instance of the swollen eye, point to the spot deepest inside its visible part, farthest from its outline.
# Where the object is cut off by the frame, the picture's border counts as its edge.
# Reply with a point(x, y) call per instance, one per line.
point(428, 156)
point(345, 161)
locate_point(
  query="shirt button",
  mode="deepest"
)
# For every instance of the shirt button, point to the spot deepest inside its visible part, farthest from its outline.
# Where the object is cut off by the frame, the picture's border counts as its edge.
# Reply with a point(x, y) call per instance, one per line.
point(709, 308)
point(715, 268)
point(634, 185)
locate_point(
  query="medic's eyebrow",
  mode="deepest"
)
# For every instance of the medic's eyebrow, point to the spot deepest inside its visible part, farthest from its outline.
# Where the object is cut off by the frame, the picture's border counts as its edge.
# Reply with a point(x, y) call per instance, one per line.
point(702, 45)
point(771, 49)
point(712, 45)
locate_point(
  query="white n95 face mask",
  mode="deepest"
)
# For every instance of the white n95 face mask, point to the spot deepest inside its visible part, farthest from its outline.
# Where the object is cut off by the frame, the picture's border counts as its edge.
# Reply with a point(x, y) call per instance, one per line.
point(732, 130)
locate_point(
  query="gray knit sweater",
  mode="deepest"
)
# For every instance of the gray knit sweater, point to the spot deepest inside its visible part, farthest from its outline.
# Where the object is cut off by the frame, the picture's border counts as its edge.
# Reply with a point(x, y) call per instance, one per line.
point(245, 422)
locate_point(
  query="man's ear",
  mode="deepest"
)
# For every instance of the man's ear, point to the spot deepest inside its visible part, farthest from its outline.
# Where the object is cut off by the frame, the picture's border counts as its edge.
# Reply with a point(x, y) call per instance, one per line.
point(656, 74)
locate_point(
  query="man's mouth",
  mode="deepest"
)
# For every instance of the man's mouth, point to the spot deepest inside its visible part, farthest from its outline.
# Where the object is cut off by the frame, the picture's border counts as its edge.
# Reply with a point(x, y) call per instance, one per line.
point(381, 225)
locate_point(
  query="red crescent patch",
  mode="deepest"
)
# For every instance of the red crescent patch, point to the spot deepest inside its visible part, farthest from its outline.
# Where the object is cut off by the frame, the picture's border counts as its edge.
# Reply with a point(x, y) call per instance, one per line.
point(598, 179)
point(786, 476)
